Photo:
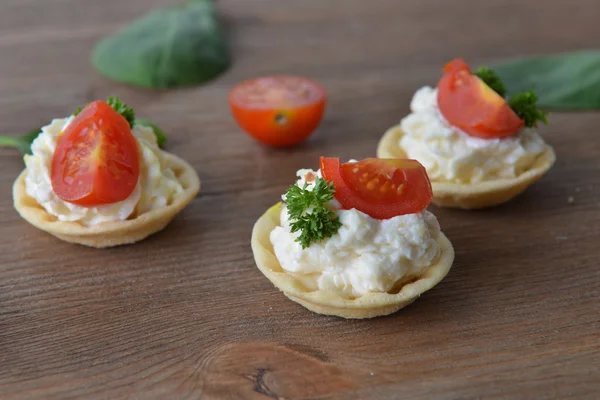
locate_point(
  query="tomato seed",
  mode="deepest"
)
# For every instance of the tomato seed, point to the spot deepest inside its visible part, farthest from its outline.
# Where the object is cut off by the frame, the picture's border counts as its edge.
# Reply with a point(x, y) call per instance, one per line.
point(280, 119)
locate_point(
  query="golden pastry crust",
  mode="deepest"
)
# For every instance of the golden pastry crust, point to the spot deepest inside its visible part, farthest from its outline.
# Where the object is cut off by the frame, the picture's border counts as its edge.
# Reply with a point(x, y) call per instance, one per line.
point(476, 195)
point(115, 233)
point(332, 303)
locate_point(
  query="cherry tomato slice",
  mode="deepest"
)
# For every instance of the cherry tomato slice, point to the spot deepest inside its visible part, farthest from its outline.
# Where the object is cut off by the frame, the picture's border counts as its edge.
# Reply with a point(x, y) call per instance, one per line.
point(279, 111)
point(469, 104)
point(381, 188)
point(96, 160)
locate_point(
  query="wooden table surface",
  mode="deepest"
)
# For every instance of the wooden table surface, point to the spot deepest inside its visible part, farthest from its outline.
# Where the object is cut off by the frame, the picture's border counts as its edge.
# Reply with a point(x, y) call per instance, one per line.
point(186, 314)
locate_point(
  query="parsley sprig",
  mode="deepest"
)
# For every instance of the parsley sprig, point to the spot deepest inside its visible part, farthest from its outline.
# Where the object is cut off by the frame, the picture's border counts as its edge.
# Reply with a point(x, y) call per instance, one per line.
point(492, 80)
point(129, 114)
point(119, 106)
point(122, 108)
point(308, 213)
point(523, 104)
point(23, 142)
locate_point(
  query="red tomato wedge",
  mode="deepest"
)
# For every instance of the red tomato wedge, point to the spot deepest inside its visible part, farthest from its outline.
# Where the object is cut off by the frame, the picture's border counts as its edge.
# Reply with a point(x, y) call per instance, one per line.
point(379, 187)
point(469, 104)
point(96, 160)
point(279, 111)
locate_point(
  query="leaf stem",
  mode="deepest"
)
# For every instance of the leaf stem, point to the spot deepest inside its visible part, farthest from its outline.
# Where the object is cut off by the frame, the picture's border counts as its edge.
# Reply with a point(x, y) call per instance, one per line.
point(10, 141)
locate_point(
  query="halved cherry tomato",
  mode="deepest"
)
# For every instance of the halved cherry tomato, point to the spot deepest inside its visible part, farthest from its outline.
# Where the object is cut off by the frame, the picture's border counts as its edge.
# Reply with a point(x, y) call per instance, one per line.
point(96, 160)
point(382, 188)
point(469, 104)
point(279, 111)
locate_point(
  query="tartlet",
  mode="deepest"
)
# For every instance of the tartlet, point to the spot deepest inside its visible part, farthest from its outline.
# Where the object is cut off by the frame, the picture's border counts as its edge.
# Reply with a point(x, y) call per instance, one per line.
point(480, 146)
point(331, 303)
point(113, 233)
point(473, 195)
point(99, 178)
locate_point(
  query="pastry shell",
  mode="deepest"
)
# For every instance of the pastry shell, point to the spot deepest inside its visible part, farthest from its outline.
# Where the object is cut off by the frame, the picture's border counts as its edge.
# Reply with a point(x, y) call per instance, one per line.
point(332, 303)
point(476, 195)
point(115, 233)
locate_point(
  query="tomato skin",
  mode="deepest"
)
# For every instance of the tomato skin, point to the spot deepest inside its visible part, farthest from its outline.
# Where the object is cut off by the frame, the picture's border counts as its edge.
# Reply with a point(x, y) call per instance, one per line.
point(457, 64)
point(381, 188)
point(96, 160)
point(468, 103)
point(278, 119)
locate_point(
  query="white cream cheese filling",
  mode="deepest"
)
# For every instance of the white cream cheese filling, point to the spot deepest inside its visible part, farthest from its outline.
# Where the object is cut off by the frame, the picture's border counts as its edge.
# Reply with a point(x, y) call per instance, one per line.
point(451, 155)
point(156, 187)
point(366, 254)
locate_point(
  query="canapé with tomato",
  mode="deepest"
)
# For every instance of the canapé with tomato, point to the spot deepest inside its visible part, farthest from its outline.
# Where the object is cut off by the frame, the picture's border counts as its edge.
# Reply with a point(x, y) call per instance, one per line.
point(480, 147)
point(99, 178)
point(354, 239)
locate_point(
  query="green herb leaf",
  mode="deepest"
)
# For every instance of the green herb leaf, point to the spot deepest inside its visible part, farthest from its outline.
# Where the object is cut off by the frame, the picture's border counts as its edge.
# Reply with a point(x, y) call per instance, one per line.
point(169, 47)
point(161, 138)
point(524, 105)
point(129, 114)
point(122, 108)
point(21, 143)
point(565, 81)
point(308, 213)
point(492, 80)
point(119, 106)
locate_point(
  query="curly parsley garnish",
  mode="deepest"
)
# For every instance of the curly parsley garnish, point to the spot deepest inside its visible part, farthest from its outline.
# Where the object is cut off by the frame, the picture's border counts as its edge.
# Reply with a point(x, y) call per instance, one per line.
point(119, 106)
point(122, 108)
point(129, 114)
point(308, 213)
point(523, 104)
point(23, 143)
point(492, 80)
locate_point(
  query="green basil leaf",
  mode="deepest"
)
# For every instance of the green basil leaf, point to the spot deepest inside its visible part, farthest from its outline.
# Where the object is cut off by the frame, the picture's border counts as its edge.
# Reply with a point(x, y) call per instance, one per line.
point(565, 81)
point(21, 143)
point(28, 139)
point(161, 138)
point(169, 47)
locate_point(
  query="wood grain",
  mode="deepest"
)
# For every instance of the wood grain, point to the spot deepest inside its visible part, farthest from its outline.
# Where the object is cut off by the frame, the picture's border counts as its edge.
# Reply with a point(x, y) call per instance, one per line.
point(187, 315)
